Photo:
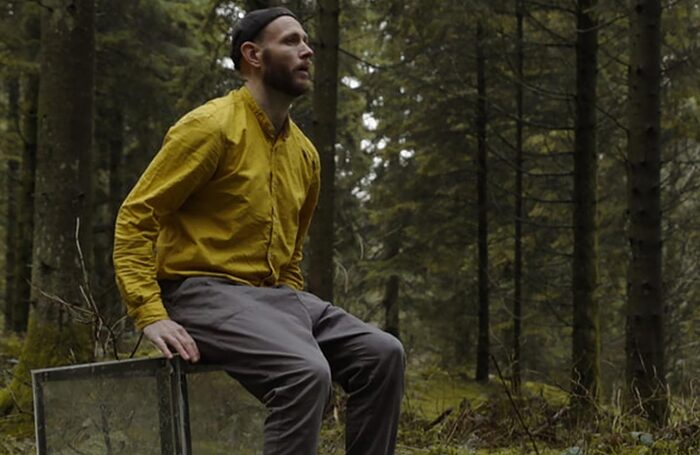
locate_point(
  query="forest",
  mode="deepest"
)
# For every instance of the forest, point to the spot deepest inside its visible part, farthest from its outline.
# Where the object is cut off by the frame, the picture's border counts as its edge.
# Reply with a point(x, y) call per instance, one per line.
point(508, 186)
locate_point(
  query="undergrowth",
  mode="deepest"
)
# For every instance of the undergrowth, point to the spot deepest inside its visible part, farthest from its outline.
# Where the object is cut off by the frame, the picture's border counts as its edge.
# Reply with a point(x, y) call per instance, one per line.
point(481, 419)
point(449, 414)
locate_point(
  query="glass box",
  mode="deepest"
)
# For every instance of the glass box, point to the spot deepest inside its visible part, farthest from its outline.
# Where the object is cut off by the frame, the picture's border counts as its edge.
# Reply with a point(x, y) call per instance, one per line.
point(144, 406)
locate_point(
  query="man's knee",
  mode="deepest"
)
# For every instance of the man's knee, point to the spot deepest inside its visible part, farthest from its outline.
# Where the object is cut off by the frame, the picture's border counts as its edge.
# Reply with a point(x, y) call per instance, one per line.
point(306, 383)
point(390, 353)
point(314, 377)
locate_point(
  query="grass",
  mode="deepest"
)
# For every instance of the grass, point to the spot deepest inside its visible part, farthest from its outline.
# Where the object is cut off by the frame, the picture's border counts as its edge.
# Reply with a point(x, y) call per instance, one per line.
point(447, 413)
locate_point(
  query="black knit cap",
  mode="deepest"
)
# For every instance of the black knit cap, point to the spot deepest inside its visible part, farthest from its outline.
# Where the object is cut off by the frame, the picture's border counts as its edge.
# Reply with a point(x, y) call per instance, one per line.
point(248, 28)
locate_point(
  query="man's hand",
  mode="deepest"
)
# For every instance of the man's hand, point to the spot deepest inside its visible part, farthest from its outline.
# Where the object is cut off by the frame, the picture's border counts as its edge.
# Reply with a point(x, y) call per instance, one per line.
point(169, 333)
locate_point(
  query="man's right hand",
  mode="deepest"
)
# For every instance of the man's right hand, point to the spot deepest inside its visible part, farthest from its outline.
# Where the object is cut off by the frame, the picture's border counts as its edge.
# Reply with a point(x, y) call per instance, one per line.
point(167, 333)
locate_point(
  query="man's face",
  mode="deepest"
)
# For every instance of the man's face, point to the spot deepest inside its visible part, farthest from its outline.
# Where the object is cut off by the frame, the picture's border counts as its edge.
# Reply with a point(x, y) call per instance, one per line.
point(286, 57)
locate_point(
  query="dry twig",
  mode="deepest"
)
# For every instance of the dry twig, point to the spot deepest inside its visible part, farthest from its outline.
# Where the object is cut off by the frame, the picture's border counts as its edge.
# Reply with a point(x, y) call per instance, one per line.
point(515, 408)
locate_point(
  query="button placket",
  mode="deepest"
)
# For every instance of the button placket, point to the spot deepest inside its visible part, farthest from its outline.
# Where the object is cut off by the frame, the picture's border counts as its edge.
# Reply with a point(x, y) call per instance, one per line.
point(270, 279)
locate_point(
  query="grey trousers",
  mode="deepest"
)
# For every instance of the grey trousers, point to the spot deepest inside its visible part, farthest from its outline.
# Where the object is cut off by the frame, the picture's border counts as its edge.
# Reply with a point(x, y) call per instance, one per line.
point(285, 347)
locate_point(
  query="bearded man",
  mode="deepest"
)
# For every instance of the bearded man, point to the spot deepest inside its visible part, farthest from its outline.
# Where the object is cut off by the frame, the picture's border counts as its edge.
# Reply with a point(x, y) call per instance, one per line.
point(208, 246)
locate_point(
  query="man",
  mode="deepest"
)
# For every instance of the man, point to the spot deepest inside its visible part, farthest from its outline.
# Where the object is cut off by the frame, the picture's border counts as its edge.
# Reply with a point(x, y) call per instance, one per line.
point(209, 242)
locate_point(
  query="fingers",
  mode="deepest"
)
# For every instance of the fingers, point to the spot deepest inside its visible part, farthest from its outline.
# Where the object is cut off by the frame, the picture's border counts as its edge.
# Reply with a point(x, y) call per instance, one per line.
point(183, 343)
point(190, 346)
point(168, 333)
point(160, 344)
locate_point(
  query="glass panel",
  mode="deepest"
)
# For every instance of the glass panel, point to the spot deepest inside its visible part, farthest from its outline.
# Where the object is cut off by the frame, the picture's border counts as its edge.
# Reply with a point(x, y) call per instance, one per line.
point(102, 415)
point(224, 417)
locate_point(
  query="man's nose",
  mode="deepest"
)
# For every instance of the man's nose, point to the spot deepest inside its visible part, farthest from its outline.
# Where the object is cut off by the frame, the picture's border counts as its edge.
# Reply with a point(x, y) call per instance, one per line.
point(307, 51)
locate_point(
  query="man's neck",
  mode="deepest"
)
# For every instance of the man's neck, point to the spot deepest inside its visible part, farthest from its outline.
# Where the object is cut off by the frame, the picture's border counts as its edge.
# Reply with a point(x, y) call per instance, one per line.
point(273, 103)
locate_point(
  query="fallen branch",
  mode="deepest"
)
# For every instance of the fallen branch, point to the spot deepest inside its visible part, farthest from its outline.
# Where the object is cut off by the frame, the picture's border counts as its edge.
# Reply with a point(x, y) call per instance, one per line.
point(438, 419)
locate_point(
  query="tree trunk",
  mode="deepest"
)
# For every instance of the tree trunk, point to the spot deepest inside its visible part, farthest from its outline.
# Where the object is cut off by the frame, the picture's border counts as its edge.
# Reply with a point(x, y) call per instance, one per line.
point(390, 302)
point(483, 346)
point(518, 266)
point(62, 191)
point(109, 129)
point(645, 312)
point(586, 326)
point(11, 202)
point(23, 272)
point(325, 101)
point(116, 151)
point(391, 306)
point(11, 236)
point(25, 220)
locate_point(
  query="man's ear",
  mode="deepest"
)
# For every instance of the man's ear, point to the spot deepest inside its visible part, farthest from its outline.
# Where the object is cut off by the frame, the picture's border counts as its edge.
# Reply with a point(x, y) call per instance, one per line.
point(251, 53)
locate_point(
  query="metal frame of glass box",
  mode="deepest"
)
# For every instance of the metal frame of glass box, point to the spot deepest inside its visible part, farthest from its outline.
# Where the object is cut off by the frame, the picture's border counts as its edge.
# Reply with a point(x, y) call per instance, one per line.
point(171, 379)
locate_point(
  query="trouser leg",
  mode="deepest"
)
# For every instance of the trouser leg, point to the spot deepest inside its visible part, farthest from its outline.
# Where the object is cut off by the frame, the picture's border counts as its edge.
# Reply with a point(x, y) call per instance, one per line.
point(263, 338)
point(369, 364)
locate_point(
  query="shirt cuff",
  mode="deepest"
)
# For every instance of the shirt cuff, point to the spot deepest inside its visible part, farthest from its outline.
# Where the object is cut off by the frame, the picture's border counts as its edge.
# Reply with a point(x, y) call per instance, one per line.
point(148, 313)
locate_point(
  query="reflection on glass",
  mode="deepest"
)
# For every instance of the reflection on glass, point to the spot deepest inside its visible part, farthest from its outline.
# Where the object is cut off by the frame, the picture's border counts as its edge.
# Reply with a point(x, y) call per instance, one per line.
point(102, 415)
point(224, 417)
point(117, 413)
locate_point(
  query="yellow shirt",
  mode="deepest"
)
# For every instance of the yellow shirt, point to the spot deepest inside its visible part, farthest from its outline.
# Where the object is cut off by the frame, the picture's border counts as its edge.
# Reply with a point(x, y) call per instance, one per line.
point(223, 197)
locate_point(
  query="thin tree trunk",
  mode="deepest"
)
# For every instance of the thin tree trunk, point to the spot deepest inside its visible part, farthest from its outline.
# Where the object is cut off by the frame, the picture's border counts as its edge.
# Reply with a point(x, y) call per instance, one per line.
point(325, 101)
point(116, 151)
point(11, 236)
point(11, 202)
point(30, 95)
point(391, 306)
point(483, 346)
point(645, 312)
point(29, 119)
point(62, 194)
point(108, 160)
point(586, 326)
point(390, 302)
point(518, 266)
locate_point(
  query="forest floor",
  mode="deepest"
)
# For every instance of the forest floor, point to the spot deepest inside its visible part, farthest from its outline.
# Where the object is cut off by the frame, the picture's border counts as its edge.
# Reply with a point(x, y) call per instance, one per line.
point(447, 413)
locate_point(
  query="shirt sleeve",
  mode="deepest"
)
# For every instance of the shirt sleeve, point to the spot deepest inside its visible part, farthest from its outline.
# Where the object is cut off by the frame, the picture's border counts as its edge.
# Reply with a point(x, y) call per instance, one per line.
point(186, 161)
point(291, 274)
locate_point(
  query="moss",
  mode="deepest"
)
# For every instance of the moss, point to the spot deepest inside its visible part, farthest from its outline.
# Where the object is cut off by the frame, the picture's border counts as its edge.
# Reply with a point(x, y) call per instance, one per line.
point(14, 446)
point(47, 344)
point(553, 395)
point(10, 349)
point(17, 427)
point(431, 391)
point(11, 346)
point(453, 450)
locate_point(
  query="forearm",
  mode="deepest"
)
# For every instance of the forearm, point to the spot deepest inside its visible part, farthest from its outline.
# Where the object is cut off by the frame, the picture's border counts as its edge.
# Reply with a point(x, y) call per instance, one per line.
point(134, 266)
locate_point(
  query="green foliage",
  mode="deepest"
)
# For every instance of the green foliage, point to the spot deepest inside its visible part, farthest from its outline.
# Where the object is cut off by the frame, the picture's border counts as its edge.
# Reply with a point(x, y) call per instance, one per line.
point(48, 346)
point(433, 390)
point(482, 420)
point(405, 184)
point(13, 446)
point(486, 422)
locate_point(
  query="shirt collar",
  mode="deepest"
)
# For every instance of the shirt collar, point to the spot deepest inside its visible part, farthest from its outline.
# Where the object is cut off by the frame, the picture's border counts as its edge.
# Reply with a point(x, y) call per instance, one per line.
point(263, 120)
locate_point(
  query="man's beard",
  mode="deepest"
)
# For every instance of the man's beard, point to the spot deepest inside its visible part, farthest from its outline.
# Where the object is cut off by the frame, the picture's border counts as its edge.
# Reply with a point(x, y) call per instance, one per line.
point(281, 78)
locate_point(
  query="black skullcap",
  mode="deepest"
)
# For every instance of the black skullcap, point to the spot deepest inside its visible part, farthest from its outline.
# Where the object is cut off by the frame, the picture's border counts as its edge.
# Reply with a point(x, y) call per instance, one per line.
point(247, 29)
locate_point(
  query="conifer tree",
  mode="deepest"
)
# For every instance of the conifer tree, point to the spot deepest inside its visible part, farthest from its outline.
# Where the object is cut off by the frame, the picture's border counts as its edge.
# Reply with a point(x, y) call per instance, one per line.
point(645, 344)
point(63, 194)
